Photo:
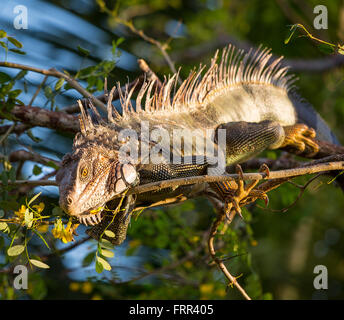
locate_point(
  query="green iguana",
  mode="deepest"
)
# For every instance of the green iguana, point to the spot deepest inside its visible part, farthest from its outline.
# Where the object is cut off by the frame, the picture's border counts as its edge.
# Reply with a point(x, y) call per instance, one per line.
point(241, 105)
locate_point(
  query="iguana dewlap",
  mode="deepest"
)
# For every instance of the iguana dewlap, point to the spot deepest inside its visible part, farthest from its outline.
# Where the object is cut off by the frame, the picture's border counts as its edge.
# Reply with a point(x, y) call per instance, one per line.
point(247, 95)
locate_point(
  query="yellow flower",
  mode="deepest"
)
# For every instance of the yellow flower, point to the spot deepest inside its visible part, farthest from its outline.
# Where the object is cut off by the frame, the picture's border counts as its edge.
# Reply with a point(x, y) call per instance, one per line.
point(206, 288)
point(61, 232)
point(194, 239)
point(43, 228)
point(254, 243)
point(74, 286)
point(86, 288)
point(221, 292)
point(58, 228)
point(21, 212)
point(39, 208)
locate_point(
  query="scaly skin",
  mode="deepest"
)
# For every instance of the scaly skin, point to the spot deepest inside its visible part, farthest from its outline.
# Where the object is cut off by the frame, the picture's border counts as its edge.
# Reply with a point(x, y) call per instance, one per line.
point(250, 99)
point(88, 179)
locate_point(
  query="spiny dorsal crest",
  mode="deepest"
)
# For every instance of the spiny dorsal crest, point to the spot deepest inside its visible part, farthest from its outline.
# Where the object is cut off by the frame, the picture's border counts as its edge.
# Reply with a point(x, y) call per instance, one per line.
point(236, 67)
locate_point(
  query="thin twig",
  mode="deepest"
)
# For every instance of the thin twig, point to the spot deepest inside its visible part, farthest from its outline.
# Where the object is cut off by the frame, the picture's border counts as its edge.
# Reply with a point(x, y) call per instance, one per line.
point(9, 130)
point(310, 169)
point(161, 46)
point(38, 90)
point(151, 76)
point(302, 190)
point(57, 74)
point(273, 175)
point(74, 108)
point(213, 231)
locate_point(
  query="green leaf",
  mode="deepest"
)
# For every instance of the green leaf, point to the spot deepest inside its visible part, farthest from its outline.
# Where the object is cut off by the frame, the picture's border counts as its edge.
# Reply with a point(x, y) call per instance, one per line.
point(15, 42)
point(109, 234)
point(292, 31)
point(14, 93)
point(4, 45)
point(104, 263)
point(2, 213)
point(325, 48)
point(57, 211)
point(88, 259)
point(20, 75)
point(12, 174)
point(115, 44)
point(52, 164)
point(48, 92)
point(34, 198)
point(17, 51)
point(59, 84)
point(3, 227)
point(67, 86)
point(91, 82)
point(86, 72)
point(4, 178)
point(42, 238)
point(8, 205)
point(4, 77)
point(36, 170)
point(99, 267)
point(15, 250)
point(100, 84)
point(28, 217)
point(39, 264)
point(3, 34)
point(83, 51)
point(106, 244)
point(32, 137)
point(107, 253)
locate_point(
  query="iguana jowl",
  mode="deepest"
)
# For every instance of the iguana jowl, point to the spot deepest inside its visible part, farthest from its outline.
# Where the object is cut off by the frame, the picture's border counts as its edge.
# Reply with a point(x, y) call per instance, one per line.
point(249, 95)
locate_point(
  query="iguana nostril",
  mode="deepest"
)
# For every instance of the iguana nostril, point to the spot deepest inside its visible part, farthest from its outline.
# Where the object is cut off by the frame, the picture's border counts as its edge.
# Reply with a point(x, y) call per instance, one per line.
point(69, 200)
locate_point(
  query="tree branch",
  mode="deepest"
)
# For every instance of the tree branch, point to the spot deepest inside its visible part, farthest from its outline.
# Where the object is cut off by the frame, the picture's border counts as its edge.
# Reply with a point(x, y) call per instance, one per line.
point(35, 116)
point(23, 155)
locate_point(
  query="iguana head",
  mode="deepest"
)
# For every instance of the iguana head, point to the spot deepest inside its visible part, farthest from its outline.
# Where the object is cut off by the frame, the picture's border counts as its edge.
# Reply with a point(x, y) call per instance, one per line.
point(92, 174)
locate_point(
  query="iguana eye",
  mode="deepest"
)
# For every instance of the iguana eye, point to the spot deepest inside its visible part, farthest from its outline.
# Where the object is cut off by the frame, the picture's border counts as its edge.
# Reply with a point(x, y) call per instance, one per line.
point(84, 172)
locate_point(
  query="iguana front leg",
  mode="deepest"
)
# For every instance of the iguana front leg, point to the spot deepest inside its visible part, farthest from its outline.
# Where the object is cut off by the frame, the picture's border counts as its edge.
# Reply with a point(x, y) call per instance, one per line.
point(245, 140)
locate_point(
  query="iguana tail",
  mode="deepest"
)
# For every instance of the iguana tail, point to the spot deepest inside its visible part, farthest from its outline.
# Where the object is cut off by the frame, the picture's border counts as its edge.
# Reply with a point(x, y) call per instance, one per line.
point(307, 115)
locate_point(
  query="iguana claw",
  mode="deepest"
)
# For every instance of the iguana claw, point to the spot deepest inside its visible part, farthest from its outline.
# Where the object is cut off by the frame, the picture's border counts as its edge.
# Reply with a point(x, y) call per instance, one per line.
point(299, 139)
point(236, 198)
point(241, 193)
